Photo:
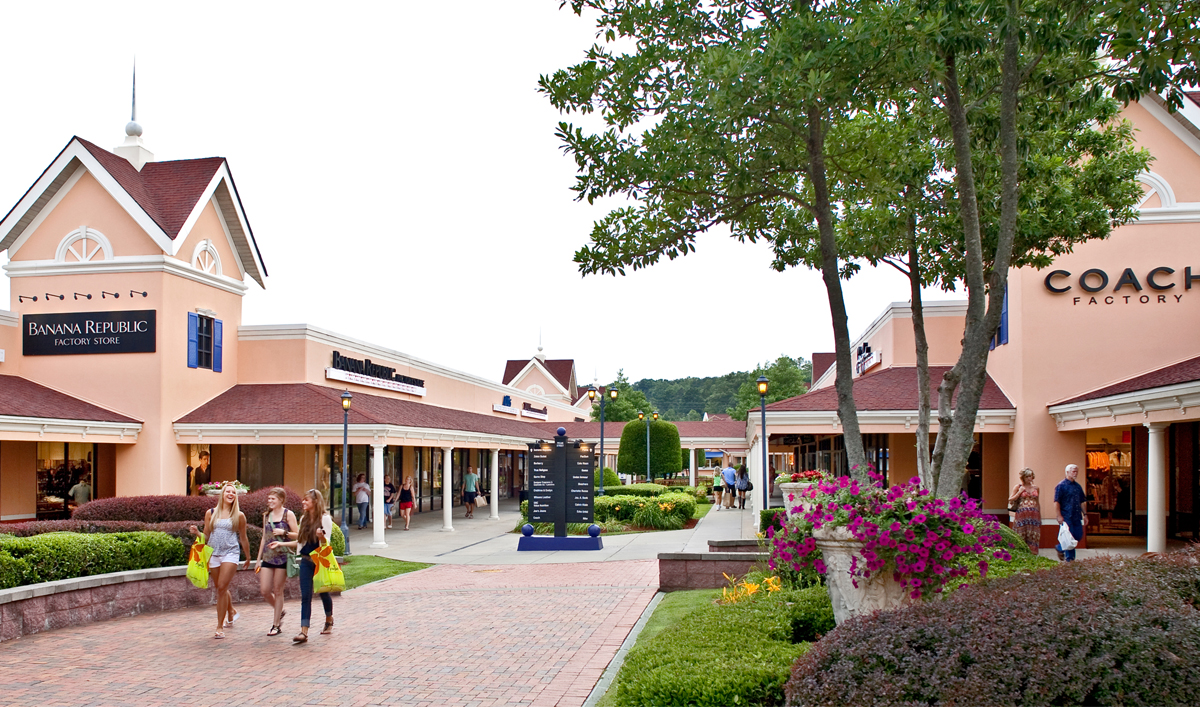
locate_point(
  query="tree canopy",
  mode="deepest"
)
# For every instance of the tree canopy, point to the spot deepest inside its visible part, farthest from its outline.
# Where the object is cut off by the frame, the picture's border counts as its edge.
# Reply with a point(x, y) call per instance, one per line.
point(787, 376)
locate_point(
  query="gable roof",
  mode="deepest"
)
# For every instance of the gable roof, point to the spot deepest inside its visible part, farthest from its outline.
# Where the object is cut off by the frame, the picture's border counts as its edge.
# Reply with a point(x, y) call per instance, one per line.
point(560, 370)
point(20, 397)
point(890, 389)
point(822, 362)
point(1183, 372)
point(165, 198)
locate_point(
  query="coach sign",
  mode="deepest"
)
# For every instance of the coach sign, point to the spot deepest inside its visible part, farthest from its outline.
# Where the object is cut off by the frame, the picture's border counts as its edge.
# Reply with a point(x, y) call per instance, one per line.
point(89, 333)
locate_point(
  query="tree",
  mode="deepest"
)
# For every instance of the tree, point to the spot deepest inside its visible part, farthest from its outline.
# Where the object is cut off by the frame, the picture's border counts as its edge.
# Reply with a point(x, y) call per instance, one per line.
point(788, 378)
point(629, 401)
point(665, 449)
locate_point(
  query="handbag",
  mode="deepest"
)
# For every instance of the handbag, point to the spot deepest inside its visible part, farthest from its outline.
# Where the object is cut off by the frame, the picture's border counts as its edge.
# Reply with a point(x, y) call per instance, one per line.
point(1065, 540)
point(327, 575)
point(293, 564)
point(197, 568)
point(481, 500)
point(749, 485)
point(1014, 504)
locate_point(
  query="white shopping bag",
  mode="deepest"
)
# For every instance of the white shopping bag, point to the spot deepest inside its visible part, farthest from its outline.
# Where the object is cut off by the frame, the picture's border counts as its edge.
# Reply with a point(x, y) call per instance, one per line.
point(1065, 540)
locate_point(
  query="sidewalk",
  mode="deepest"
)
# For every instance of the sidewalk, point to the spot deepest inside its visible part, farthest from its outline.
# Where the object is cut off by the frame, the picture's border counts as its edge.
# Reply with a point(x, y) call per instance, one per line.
point(481, 540)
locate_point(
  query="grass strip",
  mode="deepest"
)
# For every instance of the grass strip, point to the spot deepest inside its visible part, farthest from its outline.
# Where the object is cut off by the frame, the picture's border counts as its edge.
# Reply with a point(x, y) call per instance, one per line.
point(364, 569)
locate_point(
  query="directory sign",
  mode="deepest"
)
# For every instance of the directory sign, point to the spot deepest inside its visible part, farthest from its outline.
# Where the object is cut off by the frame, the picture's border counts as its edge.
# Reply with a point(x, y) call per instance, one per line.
point(544, 494)
point(561, 474)
point(581, 478)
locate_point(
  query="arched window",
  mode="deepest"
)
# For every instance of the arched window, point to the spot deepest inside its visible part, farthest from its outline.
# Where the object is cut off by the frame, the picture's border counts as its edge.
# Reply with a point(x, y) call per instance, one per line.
point(205, 258)
point(83, 245)
point(535, 389)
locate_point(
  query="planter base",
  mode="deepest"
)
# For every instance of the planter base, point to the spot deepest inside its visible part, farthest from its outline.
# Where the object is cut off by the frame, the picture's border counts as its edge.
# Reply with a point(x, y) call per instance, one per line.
point(879, 592)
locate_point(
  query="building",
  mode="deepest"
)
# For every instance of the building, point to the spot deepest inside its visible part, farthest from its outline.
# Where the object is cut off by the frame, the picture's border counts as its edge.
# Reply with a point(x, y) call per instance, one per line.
point(1095, 364)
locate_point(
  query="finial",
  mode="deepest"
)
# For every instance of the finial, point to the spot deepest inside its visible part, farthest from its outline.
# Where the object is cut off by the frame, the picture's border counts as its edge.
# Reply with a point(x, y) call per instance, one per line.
point(132, 129)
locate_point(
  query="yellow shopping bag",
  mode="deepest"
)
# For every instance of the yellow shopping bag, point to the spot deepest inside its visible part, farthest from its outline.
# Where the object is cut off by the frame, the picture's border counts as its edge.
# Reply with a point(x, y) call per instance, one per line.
point(327, 576)
point(197, 570)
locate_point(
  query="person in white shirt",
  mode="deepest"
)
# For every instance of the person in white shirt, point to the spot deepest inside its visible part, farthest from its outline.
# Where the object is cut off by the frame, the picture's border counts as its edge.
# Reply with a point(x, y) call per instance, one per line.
point(362, 496)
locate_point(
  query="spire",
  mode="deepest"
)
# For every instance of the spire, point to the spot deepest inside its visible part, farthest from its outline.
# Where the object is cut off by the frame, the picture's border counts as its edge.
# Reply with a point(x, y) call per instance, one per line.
point(133, 149)
point(540, 356)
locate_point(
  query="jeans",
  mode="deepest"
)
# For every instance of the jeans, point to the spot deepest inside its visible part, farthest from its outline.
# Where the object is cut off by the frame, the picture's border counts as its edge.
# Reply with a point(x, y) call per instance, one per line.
point(1076, 528)
point(307, 568)
point(364, 510)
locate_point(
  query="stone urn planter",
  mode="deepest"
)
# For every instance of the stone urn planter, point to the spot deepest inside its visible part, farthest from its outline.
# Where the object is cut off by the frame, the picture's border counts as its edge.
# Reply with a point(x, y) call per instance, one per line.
point(792, 497)
point(217, 492)
point(878, 592)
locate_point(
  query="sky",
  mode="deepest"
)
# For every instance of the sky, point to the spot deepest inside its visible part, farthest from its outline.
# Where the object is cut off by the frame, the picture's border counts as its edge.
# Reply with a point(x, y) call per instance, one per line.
point(402, 179)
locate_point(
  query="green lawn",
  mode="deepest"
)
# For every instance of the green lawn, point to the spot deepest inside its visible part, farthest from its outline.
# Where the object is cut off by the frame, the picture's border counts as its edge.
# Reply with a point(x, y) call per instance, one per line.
point(364, 569)
point(701, 508)
point(673, 608)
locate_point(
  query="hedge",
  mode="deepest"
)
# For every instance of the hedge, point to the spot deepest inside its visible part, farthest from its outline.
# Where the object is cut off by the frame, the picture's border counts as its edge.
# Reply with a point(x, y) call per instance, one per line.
point(666, 455)
point(1103, 631)
point(725, 655)
point(769, 517)
point(611, 480)
point(624, 506)
point(53, 556)
point(644, 490)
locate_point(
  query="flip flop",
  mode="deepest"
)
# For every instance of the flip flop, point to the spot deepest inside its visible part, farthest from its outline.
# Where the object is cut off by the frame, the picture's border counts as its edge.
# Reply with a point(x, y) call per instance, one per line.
point(219, 634)
point(236, 615)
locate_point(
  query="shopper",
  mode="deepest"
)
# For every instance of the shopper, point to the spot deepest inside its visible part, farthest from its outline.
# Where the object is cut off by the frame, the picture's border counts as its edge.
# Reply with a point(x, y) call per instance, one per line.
point(470, 490)
point(278, 524)
point(224, 531)
point(742, 482)
point(406, 501)
point(362, 496)
point(729, 476)
point(316, 527)
point(201, 475)
point(1028, 519)
point(1070, 505)
point(389, 499)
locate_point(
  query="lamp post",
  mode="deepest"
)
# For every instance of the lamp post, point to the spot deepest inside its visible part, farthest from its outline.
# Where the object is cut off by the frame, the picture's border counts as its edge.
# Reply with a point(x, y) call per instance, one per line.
point(612, 393)
point(762, 399)
point(346, 398)
point(642, 416)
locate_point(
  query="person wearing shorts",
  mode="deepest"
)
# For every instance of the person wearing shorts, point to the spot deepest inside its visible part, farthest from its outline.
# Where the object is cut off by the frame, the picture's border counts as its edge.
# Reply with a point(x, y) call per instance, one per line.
point(406, 500)
point(389, 499)
point(470, 490)
point(225, 533)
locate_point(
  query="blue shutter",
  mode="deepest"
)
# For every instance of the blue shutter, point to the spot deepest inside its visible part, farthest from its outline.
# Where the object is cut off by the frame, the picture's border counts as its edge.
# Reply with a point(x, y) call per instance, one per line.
point(193, 354)
point(1004, 320)
point(217, 345)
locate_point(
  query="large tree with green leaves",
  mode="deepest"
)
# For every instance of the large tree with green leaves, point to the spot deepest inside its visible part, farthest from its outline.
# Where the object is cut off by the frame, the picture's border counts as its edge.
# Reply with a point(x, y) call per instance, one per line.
point(627, 405)
point(666, 456)
point(788, 378)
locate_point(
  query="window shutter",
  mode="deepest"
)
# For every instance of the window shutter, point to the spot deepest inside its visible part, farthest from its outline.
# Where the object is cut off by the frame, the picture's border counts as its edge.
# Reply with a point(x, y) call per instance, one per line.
point(217, 345)
point(1004, 320)
point(193, 344)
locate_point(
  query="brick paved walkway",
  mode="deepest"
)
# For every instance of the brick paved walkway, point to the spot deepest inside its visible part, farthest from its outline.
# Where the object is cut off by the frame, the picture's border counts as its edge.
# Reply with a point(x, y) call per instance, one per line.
point(469, 635)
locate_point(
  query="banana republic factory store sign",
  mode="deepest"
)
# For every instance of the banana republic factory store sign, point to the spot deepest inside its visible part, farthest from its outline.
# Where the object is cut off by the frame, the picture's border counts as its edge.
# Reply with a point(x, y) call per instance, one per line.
point(89, 333)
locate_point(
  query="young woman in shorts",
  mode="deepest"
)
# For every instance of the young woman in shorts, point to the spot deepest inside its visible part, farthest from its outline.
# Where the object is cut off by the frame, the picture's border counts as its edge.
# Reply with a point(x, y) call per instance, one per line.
point(278, 524)
point(406, 501)
point(225, 532)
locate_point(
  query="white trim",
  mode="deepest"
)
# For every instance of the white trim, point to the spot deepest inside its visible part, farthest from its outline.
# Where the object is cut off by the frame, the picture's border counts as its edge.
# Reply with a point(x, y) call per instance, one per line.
point(206, 246)
point(276, 332)
point(829, 419)
point(1158, 185)
point(20, 516)
point(206, 197)
point(546, 371)
point(381, 434)
point(47, 209)
point(59, 426)
point(1186, 212)
point(338, 374)
point(1171, 123)
point(1139, 402)
point(8, 318)
point(228, 237)
point(82, 234)
point(125, 264)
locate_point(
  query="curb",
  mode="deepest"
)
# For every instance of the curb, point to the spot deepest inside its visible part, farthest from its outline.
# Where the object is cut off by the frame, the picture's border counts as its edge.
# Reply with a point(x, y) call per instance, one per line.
point(610, 673)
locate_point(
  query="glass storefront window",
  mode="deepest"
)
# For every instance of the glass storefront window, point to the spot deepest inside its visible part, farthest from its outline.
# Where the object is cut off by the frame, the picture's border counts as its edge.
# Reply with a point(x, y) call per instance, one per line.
point(260, 465)
point(65, 477)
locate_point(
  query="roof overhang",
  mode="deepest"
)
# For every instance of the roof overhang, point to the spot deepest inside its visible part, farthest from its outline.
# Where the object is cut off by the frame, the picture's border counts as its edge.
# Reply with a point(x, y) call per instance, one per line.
point(1170, 403)
point(217, 433)
point(827, 421)
point(46, 429)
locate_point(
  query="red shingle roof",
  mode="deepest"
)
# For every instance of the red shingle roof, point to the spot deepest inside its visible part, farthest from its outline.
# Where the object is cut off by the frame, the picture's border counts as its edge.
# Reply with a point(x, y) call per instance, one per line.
point(310, 404)
point(167, 191)
point(890, 389)
point(559, 368)
point(1183, 372)
point(511, 369)
point(822, 362)
point(24, 398)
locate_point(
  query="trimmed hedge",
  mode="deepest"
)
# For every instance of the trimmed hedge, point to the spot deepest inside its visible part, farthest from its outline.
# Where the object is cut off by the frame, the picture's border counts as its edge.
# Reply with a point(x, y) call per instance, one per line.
point(725, 655)
point(1103, 631)
point(644, 490)
point(771, 517)
point(624, 507)
point(611, 480)
point(53, 556)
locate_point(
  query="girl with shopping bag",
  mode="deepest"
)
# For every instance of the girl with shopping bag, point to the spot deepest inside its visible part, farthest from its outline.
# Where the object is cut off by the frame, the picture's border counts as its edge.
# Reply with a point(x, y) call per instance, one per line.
point(316, 527)
point(278, 524)
point(225, 529)
point(197, 568)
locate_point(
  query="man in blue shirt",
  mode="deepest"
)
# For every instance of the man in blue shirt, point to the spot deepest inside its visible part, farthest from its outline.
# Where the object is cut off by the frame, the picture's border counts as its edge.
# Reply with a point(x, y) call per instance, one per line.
point(729, 476)
point(1070, 504)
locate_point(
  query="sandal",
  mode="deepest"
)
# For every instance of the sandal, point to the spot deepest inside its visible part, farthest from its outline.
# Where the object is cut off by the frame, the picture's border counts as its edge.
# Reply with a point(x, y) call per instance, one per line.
point(328, 626)
point(275, 631)
point(300, 638)
point(219, 634)
point(236, 615)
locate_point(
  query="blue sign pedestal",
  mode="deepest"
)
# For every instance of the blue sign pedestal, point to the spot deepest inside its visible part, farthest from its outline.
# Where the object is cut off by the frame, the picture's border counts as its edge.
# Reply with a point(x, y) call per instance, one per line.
point(550, 543)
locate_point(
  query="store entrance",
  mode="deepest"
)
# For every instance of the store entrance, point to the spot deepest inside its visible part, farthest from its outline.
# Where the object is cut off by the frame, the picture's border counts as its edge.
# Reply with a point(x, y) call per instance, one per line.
point(1110, 481)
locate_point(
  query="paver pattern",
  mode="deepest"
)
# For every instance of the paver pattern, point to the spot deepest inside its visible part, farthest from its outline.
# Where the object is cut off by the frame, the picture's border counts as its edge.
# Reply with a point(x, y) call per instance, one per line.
point(469, 635)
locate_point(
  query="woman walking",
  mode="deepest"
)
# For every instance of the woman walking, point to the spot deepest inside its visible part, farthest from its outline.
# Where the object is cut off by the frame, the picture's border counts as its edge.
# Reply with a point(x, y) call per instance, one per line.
point(362, 496)
point(742, 482)
point(278, 524)
point(389, 499)
point(316, 527)
point(1028, 522)
point(225, 531)
point(406, 501)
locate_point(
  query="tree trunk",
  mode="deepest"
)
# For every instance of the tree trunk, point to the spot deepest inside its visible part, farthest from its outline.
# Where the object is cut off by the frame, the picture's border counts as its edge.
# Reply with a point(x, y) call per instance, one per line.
point(856, 458)
point(924, 467)
point(970, 372)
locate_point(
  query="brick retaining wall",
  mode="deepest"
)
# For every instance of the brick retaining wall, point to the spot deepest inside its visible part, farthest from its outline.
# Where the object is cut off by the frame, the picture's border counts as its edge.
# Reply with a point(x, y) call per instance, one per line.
point(703, 570)
point(84, 600)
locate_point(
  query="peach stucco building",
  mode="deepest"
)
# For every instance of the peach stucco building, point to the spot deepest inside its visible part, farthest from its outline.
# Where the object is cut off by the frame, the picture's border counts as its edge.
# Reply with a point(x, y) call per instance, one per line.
point(124, 360)
point(1097, 363)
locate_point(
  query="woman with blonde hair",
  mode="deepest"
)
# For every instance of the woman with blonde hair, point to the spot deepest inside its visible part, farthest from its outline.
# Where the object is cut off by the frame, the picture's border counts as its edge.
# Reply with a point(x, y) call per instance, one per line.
point(316, 527)
point(1028, 521)
point(224, 531)
point(278, 524)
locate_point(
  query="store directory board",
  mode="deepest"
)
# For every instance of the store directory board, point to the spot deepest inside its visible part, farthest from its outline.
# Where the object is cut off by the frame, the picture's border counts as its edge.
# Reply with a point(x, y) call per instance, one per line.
point(581, 478)
point(561, 477)
point(544, 493)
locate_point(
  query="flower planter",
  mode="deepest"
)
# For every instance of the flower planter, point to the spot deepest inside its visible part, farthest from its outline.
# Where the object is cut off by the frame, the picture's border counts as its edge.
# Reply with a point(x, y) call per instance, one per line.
point(878, 592)
point(792, 498)
point(217, 492)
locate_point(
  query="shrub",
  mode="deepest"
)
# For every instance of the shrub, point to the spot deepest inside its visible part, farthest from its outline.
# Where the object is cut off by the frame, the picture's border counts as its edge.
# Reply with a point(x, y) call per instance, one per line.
point(1103, 631)
point(665, 451)
point(644, 490)
point(717, 655)
point(170, 509)
point(624, 507)
point(54, 556)
point(1016, 545)
point(611, 479)
point(771, 518)
point(658, 514)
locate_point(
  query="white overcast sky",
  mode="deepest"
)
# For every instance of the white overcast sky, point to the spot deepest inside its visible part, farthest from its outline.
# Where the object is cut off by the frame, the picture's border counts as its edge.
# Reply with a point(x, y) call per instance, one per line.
point(402, 179)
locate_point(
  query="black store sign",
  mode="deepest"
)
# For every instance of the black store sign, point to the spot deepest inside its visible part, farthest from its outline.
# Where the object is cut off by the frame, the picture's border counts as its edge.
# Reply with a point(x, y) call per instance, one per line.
point(561, 480)
point(89, 333)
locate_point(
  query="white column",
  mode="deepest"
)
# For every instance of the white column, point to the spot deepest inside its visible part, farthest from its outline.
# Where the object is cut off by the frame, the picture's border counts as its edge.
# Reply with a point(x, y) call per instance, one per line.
point(495, 500)
point(692, 465)
point(1156, 488)
point(447, 491)
point(377, 498)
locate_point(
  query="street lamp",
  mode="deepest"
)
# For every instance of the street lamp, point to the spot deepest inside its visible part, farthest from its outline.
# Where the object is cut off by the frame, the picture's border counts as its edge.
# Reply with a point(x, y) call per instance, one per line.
point(642, 416)
point(346, 398)
point(762, 398)
point(612, 393)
